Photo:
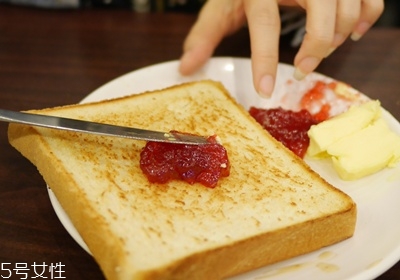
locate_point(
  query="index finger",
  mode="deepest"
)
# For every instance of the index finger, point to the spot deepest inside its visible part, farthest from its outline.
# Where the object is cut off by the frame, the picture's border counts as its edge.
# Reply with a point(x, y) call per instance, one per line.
point(264, 27)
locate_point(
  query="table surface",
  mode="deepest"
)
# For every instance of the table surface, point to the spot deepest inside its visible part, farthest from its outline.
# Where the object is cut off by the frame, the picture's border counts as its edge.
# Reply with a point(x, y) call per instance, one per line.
point(50, 58)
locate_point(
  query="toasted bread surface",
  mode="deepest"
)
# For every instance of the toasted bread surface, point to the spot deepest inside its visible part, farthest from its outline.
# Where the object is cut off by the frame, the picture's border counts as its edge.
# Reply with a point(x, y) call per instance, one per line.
point(271, 207)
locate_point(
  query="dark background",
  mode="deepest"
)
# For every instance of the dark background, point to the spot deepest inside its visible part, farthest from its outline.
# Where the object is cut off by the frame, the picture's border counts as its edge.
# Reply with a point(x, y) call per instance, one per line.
point(390, 17)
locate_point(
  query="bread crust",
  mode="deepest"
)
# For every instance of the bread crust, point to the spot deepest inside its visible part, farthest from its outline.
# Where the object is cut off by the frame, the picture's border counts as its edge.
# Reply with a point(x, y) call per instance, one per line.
point(211, 261)
point(70, 197)
point(261, 250)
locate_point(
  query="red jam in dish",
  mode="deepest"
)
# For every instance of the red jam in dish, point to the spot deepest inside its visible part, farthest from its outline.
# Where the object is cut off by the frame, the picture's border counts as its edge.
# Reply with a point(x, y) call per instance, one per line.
point(286, 126)
point(205, 164)
point(315, 100)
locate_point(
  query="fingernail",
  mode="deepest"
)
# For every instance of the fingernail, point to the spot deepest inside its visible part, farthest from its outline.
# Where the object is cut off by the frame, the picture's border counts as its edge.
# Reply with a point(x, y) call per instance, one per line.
point(266, 86)
point(306, 66)
point(355, 36)
point(360, 30)
point(338, 39)
point(298, 74)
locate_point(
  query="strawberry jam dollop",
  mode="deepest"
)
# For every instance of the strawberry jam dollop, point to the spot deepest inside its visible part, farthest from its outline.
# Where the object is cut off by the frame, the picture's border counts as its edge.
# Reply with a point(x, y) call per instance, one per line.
point(316, 102)
point(205, 164)
point(288, 127)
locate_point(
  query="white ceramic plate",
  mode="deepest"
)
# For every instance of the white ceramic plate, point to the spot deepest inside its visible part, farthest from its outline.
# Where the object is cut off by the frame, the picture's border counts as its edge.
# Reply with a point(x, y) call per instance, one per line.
point(375, 246)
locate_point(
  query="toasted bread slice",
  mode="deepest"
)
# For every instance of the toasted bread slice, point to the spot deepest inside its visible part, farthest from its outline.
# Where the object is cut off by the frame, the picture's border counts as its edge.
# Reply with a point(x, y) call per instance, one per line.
point(272, 206)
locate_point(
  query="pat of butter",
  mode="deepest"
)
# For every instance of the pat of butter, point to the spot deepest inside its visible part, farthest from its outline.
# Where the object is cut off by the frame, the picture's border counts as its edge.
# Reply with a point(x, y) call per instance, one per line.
point(359, 141)
point(346, 91)
point(330, 131)
point(365, 151)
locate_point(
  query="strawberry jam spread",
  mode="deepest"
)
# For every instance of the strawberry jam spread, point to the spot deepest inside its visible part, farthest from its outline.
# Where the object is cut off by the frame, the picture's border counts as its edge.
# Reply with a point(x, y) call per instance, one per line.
point(286, 126)
point(205, 164)
point(314, 100)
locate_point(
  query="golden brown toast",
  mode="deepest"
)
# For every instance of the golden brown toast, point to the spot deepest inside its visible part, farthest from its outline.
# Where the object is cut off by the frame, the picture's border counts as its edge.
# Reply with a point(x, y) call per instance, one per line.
point(272, 206)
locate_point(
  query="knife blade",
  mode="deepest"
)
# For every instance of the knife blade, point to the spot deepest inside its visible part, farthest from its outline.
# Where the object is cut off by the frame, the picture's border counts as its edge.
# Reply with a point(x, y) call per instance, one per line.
point(100, 128)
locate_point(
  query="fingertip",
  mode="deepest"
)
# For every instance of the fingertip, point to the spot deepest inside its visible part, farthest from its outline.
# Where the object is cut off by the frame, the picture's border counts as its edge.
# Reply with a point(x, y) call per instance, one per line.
point(299, 74)
point(338, 39)
point(266, 86)
point(330, 51)
point(193, 59)
point(185, 67)
point(305, 66)
point(360, 30)
point(355, 36)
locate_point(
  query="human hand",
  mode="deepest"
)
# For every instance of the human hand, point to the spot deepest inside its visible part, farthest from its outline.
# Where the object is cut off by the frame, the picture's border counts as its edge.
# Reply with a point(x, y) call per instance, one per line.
point(328, 24)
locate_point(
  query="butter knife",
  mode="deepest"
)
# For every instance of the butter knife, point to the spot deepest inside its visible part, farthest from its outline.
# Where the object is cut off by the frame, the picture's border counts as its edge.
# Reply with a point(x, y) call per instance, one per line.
point(100, 128)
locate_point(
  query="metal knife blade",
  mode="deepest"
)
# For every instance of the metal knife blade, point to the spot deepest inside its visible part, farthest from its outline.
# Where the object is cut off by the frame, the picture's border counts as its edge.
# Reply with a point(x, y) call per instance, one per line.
point(100, 128)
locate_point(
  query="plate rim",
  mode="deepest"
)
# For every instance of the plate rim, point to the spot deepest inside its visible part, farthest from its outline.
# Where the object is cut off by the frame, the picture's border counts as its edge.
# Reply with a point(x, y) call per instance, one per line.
point(388, 262)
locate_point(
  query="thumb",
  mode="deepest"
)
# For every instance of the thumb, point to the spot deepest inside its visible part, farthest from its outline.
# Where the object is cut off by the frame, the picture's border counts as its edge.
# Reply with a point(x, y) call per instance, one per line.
point(217, 19)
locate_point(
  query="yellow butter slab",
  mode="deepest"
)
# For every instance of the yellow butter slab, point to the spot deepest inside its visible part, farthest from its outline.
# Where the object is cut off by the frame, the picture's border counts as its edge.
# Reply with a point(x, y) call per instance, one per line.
point(365, 151)
point(332, 130)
